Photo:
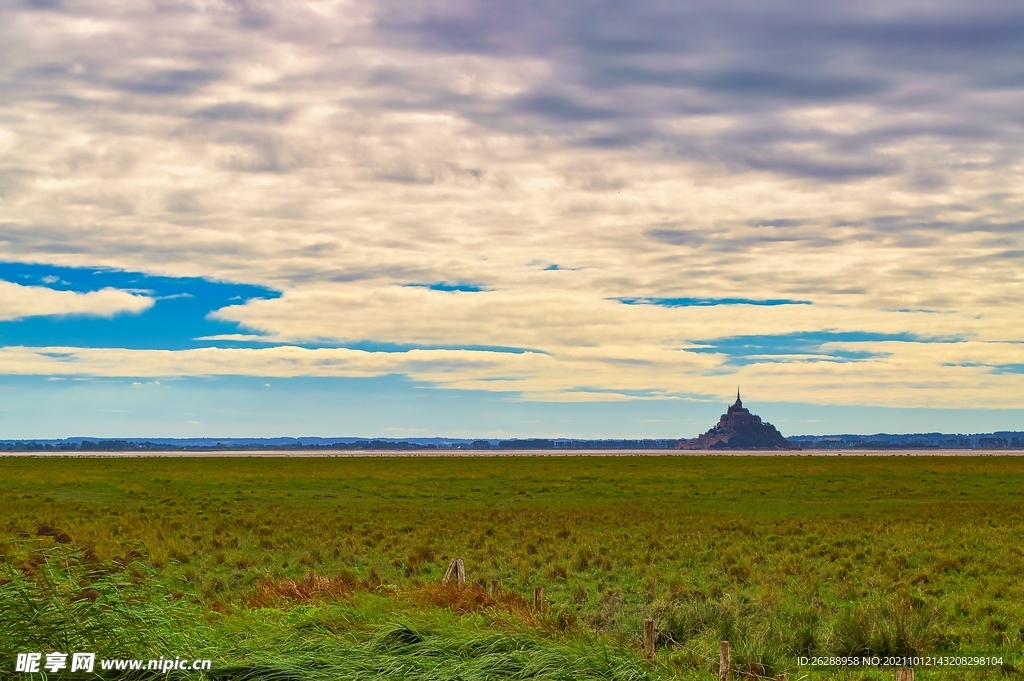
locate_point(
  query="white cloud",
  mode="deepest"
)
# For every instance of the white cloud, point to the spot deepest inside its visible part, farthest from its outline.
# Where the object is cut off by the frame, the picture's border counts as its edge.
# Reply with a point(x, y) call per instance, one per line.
point(901, 375)
point(340, 150)
point(17, 302)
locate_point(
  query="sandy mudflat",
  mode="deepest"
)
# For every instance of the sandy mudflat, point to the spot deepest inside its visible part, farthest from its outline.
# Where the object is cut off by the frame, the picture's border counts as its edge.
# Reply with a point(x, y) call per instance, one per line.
point(524, 452)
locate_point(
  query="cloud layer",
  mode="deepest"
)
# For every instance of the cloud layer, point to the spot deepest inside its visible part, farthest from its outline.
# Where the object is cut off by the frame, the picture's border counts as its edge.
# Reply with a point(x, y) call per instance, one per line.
point(822, 202)
point(18, 302)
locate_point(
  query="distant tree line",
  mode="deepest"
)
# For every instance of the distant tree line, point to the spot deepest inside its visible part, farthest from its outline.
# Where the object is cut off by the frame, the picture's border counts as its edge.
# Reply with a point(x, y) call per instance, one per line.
point(130, 445)
point(1001, 440)
point(357, 445)
point(914, 441)
point(538, 443)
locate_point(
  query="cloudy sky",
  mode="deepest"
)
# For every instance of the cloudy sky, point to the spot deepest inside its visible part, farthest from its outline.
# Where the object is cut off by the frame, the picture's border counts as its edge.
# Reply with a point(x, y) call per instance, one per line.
point(491, 218)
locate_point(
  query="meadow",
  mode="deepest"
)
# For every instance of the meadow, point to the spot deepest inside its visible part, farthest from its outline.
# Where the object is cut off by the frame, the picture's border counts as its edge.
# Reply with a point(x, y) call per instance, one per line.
point(330, 567)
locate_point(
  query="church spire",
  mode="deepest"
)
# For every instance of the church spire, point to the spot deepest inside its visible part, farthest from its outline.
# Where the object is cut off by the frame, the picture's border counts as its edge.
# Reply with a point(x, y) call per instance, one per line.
point(739, 402)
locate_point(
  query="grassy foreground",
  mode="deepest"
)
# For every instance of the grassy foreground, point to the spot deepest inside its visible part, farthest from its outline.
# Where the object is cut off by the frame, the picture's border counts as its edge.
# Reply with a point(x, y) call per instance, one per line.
point(328, 568)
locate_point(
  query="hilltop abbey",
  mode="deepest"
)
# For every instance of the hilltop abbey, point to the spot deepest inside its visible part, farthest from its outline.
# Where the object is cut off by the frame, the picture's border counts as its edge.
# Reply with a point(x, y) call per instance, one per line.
point(739, 429)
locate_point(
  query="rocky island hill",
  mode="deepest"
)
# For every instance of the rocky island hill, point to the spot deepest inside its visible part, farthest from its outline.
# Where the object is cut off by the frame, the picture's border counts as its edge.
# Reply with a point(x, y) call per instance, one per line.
point(739, 429)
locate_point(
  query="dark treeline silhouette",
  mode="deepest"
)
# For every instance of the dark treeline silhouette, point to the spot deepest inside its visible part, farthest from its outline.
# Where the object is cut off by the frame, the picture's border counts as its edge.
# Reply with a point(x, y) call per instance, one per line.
point(985, 441)
point(130, 445)
point(355, 445)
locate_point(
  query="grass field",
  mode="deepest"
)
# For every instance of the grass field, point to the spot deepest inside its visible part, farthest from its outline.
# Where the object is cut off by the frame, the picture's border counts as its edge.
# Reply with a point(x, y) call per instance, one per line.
point(328, 568)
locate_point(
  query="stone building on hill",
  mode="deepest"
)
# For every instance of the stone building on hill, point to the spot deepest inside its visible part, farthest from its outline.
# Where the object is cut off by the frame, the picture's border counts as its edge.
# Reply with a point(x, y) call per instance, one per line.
point(739, 429)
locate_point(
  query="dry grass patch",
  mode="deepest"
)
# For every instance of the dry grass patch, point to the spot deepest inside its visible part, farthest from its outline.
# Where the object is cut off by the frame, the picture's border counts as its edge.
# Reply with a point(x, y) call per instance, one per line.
point(311, 588)
point(470, 598)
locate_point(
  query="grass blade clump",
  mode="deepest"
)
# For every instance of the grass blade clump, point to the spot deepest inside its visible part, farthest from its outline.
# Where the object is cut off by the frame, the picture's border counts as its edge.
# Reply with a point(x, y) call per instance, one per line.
point(56, 599)
point(882, 627)
point(431, 645)
point(700, 617)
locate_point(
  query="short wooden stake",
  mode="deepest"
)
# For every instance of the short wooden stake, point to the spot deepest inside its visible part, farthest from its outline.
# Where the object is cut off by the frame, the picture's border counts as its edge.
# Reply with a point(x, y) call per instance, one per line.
point(494, 587)
point(538, 598)
point(723, 661)
point(783, 677)
point(905, 674)
point(452, 566)
point(649, 639)
point(456, 569)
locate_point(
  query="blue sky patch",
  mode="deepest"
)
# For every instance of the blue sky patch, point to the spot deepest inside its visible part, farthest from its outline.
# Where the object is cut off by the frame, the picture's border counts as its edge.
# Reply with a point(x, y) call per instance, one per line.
point(709, 302)
point(178, 317)
point(177, 321)
point(993, 368)
point(396, 406)
point(462, 287)
point(659, 394)
point(804, 346)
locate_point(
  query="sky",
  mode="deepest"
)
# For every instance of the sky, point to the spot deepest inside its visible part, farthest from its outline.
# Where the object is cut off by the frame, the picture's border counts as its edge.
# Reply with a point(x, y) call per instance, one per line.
point(476, 218)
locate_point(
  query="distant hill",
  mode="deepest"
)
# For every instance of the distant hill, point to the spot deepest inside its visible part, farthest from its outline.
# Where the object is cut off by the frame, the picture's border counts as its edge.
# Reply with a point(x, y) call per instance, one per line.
point(739, 429)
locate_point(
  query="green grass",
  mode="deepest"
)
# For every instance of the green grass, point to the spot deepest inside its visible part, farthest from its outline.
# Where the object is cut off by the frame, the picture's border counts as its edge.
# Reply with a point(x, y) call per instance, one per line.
point(783, 556)
point(366, 636)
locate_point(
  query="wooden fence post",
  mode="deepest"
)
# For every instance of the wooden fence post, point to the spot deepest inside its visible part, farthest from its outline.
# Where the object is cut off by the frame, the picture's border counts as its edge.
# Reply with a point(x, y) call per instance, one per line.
point(538, 598)
point(723, 661)
point(450, 571)
point(905, 674)
point(456, 569)
point(649, 639)
point(494, 588)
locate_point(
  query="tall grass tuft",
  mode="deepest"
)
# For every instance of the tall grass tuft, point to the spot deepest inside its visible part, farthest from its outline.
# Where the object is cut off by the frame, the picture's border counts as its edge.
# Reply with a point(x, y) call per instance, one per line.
point(882, 627)
point(693, 619)
point(56, 599)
